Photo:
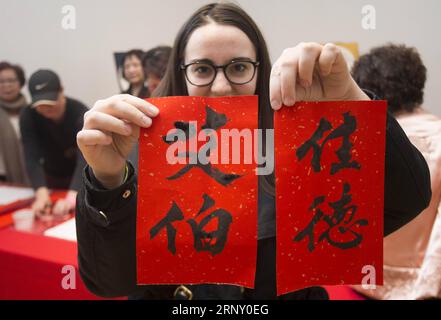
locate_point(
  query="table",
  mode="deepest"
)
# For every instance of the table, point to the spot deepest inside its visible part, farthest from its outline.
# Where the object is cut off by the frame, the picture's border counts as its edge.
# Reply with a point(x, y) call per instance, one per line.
point(31, 263)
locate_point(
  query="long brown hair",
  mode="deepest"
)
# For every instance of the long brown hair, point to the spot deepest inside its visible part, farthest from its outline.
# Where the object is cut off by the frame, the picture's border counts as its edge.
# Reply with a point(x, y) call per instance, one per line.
point(173, 83)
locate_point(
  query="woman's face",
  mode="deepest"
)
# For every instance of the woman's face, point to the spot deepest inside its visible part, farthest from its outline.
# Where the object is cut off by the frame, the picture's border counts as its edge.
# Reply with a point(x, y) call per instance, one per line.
point(220, 44)
point(133, 70)
point(9, 85)
point(152, 81)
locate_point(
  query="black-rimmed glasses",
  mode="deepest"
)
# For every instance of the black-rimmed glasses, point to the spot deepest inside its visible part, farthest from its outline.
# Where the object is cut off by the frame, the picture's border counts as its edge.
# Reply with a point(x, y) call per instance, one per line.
point(203, 73)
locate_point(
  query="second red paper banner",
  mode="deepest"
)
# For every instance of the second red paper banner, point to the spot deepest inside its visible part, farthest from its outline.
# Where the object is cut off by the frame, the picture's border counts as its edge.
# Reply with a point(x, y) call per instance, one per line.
point(329, 193)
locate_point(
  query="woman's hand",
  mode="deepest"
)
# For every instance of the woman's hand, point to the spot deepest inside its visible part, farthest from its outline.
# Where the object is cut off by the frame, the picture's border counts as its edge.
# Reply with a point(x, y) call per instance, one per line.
point(111, 128)
point(42, 203)
point(312, 72)
point(65, 205)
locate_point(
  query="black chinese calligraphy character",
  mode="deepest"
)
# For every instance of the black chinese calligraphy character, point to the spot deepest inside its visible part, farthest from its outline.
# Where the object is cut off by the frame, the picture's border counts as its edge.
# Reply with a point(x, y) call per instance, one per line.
point(220, 177)
point(341, 219)
point(188, 128)
point(214, 121)
point(213, 241)
point(343, 153)
point(174, 214)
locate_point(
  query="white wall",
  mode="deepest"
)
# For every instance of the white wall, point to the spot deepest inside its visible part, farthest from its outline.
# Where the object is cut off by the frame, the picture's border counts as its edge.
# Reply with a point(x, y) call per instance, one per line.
point(31, 33)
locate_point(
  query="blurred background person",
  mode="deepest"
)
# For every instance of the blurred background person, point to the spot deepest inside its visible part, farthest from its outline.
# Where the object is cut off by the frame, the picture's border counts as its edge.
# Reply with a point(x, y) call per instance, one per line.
point(133, 72)
point(49, 129)
point(412, 254)
point(155, 63)
point(12, 101)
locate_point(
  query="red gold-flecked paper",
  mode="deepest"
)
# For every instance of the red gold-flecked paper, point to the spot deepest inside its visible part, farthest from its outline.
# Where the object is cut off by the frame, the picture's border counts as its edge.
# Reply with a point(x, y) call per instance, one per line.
point(157, 194)
point(318, 257)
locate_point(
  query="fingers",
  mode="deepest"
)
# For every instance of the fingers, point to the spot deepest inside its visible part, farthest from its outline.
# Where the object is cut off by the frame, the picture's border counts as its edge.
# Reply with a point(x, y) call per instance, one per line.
point(308, 56)
point(292, 75)
point(93, 137)
point(103, 121)
point(275, 88)
point(123, 110)
point(61, 208)
point(283, 79)
point(58, 208)
point(141, 104)
point(328, 58)
point(127, 108)
point(288, 82)
point(120, 114)
point(37, 207)
point(42, 208)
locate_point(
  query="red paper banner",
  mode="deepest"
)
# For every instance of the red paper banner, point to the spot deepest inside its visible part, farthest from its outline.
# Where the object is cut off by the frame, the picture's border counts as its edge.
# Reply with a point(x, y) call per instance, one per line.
point(196, 221)
point(329, 160)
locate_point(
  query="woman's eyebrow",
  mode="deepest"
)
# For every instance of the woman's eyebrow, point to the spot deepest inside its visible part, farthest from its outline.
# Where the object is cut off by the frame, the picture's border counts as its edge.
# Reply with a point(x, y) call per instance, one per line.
point(201, 60)
point(242, 59)
point(211, 62)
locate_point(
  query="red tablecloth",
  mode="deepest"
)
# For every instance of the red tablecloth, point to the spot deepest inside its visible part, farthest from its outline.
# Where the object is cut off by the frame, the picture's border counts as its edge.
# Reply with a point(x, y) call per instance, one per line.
point(31, 266)
point(343, 293)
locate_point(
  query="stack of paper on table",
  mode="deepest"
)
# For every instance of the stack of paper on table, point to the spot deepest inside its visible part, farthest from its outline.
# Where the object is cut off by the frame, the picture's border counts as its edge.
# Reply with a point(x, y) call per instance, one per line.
point(65, 230)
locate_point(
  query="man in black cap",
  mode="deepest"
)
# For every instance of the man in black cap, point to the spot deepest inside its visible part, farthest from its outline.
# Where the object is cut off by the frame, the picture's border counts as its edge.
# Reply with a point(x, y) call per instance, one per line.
point(49, 128)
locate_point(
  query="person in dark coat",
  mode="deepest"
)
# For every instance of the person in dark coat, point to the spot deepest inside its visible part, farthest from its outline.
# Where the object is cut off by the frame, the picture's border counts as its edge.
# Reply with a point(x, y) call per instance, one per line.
point(216, 35)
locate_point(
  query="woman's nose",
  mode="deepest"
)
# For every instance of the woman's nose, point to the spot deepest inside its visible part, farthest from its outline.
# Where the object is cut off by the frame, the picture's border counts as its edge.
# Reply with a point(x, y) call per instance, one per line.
point(221, 86)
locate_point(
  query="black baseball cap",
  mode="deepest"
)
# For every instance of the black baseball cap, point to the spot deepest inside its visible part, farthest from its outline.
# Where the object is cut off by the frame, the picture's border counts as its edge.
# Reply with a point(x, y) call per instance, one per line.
point(44, 86)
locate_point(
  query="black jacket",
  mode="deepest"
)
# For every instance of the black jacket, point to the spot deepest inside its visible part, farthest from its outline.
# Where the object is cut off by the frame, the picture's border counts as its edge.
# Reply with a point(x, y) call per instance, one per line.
point(51, 148)
point(106, 225)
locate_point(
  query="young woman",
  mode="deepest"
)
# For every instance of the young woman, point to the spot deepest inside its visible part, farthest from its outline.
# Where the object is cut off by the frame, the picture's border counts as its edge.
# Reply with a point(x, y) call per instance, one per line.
point(218, 35)
point(133, 72)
